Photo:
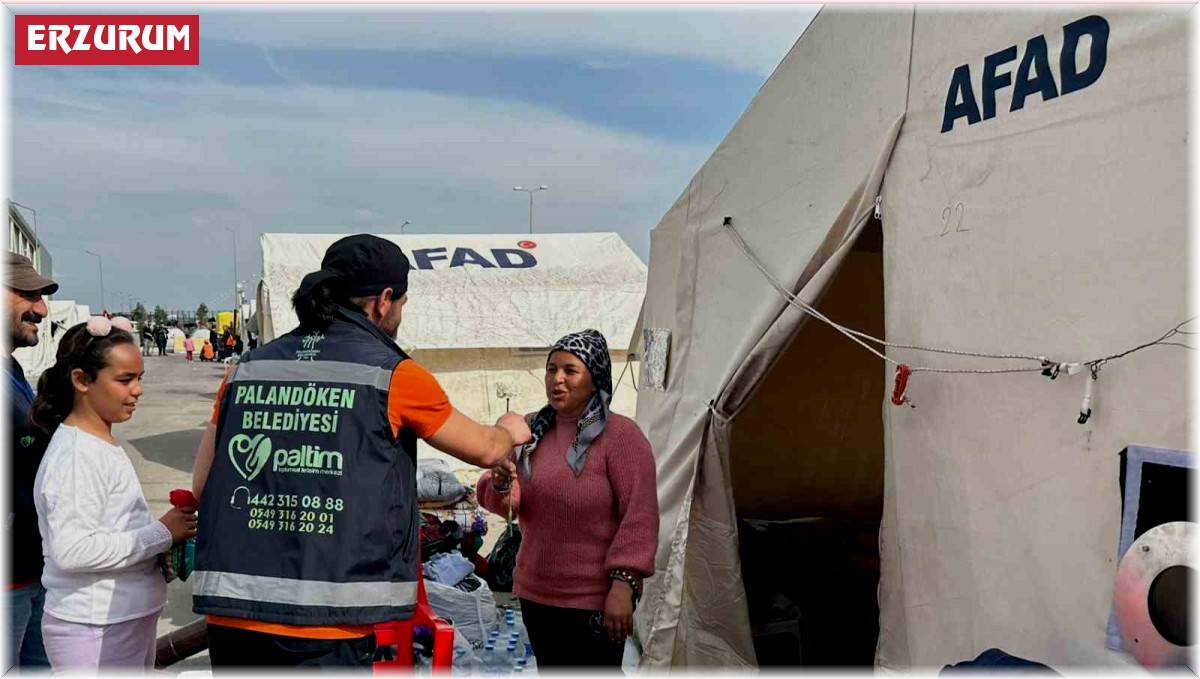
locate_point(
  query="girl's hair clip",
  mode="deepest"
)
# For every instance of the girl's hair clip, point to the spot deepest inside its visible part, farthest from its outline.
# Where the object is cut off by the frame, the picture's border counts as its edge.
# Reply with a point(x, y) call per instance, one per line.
point(99, 326)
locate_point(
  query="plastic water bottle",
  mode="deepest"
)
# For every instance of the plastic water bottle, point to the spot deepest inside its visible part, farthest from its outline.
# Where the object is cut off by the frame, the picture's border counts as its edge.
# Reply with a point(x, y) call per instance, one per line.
point(497, 661)
point(513, 654)
point(465, 663)
point(522, 665)
point(522, 636)
point(515, 629)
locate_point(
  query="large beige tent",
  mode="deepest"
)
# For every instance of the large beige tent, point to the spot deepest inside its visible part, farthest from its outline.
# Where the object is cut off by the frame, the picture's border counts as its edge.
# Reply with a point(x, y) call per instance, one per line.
point(483, 309)
point(36, 359)
point(1032, 202)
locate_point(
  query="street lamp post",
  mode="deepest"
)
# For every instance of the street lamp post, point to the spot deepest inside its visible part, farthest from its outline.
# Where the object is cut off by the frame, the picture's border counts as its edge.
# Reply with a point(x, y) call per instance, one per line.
point(530, 192)
point(100, 260)
point(236, 305)
point(406, 223)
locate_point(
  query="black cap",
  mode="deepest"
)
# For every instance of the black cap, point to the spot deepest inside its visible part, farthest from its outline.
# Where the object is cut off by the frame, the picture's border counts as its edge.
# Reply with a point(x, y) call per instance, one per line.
point(363, 265)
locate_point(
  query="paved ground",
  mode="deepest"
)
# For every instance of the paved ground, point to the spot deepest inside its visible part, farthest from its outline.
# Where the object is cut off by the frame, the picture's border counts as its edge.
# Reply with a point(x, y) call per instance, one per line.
point(161, 439)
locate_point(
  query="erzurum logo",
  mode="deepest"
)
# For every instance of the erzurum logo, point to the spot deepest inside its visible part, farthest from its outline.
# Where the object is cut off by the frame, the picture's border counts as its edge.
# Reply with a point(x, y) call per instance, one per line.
point(107, 40)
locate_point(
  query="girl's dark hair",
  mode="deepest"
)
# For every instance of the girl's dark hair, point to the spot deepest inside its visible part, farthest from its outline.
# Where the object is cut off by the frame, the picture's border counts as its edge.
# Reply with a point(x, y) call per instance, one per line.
point(78, 350)
point(315, 307)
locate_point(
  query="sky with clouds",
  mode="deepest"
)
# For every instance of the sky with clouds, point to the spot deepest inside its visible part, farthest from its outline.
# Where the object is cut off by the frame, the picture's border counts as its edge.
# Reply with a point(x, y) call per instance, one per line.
point(359, 119)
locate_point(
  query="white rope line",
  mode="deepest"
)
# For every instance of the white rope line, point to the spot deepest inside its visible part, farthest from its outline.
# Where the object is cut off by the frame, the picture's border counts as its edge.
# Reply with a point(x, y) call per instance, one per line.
point(859, 337)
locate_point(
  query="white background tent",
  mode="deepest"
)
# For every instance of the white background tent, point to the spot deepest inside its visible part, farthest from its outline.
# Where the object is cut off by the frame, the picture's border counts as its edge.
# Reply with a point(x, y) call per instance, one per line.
point(1056, 228)
point(484, 309)
point(63, 314)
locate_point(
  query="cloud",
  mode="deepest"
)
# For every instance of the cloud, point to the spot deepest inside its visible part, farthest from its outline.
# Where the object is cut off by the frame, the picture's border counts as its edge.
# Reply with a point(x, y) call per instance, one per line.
point(307, 159)
point(172, 174)
point(751, 38)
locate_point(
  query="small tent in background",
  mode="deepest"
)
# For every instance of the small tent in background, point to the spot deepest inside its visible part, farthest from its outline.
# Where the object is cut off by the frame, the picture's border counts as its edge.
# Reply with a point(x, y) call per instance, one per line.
point(36, 359)
point(1003, 183)
point(484, 309)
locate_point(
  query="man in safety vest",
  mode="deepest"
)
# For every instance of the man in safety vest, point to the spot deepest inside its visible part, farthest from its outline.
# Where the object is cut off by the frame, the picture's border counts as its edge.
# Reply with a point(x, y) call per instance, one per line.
point(306, 475)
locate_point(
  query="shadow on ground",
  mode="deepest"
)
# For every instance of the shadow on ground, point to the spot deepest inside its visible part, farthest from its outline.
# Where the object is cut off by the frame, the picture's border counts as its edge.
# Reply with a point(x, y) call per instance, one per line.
point(176, 449)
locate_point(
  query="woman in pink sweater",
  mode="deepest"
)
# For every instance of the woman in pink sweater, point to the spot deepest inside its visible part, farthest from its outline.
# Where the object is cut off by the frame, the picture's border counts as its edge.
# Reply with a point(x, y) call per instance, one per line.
point(587, 501)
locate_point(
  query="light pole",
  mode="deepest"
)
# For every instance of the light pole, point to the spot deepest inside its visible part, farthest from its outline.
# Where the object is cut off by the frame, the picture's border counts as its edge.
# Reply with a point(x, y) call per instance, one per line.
point(530, 192)
point(236, 306)
point(406, 223)
point(100, 260)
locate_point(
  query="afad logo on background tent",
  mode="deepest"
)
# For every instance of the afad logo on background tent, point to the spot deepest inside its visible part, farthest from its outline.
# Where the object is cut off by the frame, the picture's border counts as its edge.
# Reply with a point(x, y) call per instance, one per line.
point(1033, 74)
point(107, 40)
point(500, 258)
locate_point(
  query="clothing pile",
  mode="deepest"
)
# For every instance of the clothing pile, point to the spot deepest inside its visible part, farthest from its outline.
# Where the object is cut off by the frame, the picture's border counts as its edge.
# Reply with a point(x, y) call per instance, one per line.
point(451, 517)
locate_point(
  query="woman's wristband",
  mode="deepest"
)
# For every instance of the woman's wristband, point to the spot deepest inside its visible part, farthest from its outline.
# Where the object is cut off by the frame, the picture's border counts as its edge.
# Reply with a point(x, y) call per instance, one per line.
point(631, 579)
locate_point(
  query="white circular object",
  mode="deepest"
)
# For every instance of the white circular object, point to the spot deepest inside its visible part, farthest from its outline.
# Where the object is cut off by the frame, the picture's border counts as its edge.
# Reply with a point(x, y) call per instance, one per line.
point(1161, 548)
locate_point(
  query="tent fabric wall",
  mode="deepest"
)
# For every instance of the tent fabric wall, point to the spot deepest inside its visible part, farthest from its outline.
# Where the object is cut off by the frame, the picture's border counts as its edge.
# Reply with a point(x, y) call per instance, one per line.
point(800, 168)
point(463, 295)
point(1057, 229)
point(1073, 245)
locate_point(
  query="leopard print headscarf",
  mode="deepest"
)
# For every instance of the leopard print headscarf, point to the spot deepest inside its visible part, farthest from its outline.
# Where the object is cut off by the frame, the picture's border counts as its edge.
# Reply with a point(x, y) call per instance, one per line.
point(590, 347)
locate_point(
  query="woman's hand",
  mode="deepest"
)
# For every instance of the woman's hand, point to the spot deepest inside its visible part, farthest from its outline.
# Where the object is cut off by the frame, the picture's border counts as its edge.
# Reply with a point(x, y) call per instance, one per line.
point(181, 521)
point(503, 473)
point(618, 611)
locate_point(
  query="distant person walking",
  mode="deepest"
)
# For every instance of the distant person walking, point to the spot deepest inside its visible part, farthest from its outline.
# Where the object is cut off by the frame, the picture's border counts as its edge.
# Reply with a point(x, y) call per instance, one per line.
point(189, 347)
point(147, 336)
point(160, 338)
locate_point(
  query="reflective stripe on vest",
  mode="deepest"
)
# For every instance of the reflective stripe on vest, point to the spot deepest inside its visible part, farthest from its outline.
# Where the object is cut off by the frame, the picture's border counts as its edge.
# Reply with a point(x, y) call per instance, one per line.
point(304, 592)
point(303, 371)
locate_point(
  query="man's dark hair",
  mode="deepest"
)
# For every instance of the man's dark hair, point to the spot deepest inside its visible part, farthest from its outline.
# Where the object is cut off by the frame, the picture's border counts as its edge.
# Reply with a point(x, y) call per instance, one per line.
point(354, 269)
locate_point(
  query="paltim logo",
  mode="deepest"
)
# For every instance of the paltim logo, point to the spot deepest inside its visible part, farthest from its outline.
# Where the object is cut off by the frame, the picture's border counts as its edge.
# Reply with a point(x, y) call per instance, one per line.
point(249, 454)
point(107, 40)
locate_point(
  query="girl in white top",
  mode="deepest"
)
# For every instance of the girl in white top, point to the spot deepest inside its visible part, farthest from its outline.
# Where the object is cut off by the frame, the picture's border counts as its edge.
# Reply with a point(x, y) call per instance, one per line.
point(104, 591)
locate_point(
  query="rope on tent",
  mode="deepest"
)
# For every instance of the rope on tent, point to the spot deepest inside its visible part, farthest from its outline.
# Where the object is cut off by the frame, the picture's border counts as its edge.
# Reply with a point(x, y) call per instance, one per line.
point(1047, 367)
point(858, 337)
point(618, 384)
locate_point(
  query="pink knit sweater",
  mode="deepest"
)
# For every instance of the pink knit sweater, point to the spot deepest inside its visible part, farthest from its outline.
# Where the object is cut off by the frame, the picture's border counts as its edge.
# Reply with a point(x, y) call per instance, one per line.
point(575, 529)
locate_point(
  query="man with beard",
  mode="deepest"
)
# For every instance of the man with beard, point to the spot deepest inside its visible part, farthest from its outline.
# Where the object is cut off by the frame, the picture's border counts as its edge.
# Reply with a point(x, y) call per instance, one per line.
point(26, 309)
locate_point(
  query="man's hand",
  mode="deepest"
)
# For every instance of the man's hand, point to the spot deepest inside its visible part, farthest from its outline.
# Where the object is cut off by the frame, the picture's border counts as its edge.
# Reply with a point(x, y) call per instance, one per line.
point(517, 428)
point(618, 611)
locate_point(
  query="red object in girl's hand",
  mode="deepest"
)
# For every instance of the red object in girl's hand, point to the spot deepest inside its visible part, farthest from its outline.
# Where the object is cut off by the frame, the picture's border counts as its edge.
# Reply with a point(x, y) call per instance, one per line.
point(183, 498)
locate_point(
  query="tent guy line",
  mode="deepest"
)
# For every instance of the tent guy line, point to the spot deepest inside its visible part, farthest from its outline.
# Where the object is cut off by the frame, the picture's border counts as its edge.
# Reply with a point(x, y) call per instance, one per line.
point(1045, 366)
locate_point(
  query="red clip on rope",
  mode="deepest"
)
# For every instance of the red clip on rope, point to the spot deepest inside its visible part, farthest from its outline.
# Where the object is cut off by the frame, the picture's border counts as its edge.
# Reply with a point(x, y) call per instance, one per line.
point(902, 373)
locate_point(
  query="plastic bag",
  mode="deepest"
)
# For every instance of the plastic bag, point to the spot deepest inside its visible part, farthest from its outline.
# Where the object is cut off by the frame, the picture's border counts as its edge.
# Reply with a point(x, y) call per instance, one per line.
point(472, 613)
point(502, 562)
point(436, 483)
